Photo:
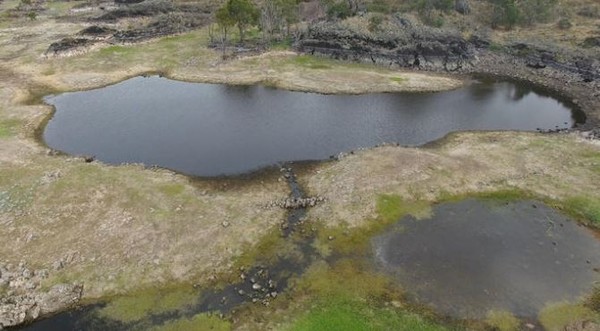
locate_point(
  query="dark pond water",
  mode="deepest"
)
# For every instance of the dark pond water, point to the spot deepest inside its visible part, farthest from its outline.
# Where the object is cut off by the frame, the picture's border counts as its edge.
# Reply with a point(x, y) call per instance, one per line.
point(210, 130)
point(472, 257)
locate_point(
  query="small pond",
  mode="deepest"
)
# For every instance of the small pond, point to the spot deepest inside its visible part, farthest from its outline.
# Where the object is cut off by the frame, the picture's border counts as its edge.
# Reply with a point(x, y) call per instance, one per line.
point(211, 130)
point(473, 257)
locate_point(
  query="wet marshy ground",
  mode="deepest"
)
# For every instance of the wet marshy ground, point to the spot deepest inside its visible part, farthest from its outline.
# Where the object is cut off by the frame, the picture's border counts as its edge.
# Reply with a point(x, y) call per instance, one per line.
point(469, 259)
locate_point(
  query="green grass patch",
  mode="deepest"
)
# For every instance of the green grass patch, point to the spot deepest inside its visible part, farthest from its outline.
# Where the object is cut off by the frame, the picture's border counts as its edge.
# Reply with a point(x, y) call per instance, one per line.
point(347, 315)
point(583, 208)
point(172, 189)
point(347, 278)
point(9, 128)
point(138, 305)
point(502, 320)
point(271, 246)
point(347, 297)
point(556, 316)
point(312, 62)
point(200, 322)
point(398, 79)
point(390, 208)
point(500, 196)
point(117, 51)
point(282, 45)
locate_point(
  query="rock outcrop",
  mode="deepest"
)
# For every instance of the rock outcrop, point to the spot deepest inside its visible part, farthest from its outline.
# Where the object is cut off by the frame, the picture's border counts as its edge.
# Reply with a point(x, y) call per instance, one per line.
point(404, 44)
point(22, 299)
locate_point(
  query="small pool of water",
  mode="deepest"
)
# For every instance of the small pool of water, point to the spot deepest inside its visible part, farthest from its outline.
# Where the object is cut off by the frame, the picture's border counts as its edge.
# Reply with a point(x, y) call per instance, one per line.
point(211, 130)
point(472, 257)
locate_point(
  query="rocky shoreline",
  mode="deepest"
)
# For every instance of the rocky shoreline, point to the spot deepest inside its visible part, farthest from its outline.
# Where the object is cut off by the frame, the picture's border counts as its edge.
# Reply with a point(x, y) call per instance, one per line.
point(23, 299)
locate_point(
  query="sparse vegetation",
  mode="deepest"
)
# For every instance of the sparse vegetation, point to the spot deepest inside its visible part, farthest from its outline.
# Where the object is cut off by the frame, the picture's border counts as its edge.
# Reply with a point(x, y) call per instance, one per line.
point(8, 127)
point(585, 208)
point(502, 321)
point(557, 316)
point(138, 305)
point(200, 322)
point(346, 297)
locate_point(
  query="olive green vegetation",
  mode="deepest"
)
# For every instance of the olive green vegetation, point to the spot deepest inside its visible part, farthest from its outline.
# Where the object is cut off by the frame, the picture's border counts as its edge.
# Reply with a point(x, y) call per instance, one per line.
point(390, 208)
point(500, 196)
point(138, 305)
point(9, 128)
point(266, 250)
point(356, 315)
point(502, 320)
point(345, 296)
point(593, 301)
point(398, 79)
point(557, 316)
point(172, 189)
point(312, 62)
point(200, 322)
point(584, 207)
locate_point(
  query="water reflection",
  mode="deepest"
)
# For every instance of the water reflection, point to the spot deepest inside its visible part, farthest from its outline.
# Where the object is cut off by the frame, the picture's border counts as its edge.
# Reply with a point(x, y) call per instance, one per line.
point(208, 130)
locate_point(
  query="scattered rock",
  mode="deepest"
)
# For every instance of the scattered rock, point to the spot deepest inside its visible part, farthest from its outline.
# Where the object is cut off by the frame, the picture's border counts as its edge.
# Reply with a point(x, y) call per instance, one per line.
point(24, 301)
point(68, 44)
point(297, 203)
point(410, 45)
point(583, 326)
point(593, 134)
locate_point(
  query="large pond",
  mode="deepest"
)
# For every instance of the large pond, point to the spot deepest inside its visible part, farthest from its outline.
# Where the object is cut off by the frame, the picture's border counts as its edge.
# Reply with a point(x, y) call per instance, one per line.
point(211, 130)
point(473, 257)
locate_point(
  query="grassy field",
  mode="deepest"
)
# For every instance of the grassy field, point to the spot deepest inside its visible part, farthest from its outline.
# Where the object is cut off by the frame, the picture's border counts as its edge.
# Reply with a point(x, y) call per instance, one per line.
point(140, 232)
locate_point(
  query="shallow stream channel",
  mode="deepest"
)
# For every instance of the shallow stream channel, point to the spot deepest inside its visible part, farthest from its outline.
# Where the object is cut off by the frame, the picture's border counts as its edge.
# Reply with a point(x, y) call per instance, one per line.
point(464, 261)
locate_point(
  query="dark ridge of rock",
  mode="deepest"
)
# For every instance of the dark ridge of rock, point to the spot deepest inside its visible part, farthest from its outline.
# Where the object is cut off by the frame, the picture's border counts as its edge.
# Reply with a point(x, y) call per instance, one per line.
point(96, 31)
point(68, 44)
point(410, 45)
point(127, 2)
point(540, 57)
point(297, 203)
point(164, 25)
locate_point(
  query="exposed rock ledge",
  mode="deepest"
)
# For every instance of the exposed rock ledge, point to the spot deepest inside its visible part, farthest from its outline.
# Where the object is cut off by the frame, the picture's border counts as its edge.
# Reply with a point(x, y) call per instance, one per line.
point(408, 44)
point(23, 299)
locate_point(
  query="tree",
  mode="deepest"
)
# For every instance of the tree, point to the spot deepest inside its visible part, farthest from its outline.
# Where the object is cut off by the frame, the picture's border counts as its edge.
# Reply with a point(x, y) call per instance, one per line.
point(505, 13)
point(289, 11)
point(243, 13)
point(270, 18)
point(225, 21)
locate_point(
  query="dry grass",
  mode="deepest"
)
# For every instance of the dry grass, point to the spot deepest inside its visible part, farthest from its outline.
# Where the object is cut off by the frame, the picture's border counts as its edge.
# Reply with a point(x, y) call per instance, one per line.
point(118, 228)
